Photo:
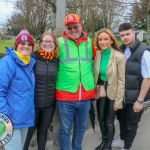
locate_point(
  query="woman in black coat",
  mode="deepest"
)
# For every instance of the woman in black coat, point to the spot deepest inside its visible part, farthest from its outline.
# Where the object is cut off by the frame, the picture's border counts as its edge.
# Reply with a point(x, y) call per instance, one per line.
point(45, 70)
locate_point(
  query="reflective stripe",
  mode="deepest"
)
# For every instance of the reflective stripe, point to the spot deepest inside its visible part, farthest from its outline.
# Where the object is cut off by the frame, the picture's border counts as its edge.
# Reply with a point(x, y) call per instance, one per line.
point(86, 48)
point(76, 59)
point(86, 59)
point(68, 59)
point(67, 49)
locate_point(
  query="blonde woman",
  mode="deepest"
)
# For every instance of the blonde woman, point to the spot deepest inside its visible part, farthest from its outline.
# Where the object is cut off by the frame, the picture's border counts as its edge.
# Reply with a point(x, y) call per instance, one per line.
point(109, 75)
point(45, 71)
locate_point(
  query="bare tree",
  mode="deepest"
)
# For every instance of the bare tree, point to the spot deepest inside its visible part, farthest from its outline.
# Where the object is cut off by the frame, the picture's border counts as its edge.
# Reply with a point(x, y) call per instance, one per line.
point(138, 15)
point(34, 15)
point(89, 14)
point(96, 14)
point(12, 25)
point(40, 15)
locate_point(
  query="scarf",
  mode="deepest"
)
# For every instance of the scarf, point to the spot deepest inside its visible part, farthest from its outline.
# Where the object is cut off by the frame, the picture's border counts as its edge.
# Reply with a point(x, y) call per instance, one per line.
point(47, 55)
point(24, 59)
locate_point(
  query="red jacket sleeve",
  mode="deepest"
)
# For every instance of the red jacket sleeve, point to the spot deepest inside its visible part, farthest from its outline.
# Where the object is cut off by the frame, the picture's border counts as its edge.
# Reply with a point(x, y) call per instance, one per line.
point(93, 51)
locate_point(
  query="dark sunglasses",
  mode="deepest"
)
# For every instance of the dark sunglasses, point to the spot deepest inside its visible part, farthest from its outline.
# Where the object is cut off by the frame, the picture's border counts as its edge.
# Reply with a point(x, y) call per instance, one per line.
point(24, 43)
point(73, 27)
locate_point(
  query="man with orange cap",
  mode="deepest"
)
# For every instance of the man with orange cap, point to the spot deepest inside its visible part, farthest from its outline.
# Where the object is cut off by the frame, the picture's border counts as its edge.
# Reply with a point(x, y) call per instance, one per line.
point(75, 83)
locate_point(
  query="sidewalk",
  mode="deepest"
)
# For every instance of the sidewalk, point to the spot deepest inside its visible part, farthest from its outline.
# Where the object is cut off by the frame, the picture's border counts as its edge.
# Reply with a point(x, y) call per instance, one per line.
point(92, 140)
point(141, 142)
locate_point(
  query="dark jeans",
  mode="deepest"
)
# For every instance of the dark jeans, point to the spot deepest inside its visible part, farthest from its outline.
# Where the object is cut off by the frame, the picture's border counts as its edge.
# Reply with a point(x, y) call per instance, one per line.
point(132, 119)
point(43, 118)
point(106, 116)
point(72, 113)
point(122, 124)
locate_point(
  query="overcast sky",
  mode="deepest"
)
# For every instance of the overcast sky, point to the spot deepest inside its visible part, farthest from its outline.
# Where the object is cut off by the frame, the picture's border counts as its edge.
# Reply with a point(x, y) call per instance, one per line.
point(6, 9)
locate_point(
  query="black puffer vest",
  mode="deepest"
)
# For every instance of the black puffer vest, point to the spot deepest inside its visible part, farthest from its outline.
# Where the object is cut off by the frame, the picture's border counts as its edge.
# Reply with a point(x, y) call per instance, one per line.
point(133, 76)
point(45, 80)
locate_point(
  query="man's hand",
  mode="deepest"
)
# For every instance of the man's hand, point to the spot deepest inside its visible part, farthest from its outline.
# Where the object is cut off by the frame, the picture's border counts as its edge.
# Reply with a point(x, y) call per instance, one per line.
point(137, 106)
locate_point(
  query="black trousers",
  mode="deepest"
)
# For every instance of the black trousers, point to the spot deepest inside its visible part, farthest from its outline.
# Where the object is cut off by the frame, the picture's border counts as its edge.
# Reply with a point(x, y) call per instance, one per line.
point(128, 120)
point(106, 116)
point(122, 124)
point(43, 118)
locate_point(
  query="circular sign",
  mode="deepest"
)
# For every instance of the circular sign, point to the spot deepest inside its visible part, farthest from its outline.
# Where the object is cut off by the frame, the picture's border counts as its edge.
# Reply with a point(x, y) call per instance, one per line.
point(6, 129)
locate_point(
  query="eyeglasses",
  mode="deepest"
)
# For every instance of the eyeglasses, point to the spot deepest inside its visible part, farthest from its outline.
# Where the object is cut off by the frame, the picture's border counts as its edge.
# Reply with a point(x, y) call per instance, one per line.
point(48, 42)
point(26, 43)
point(73, 27)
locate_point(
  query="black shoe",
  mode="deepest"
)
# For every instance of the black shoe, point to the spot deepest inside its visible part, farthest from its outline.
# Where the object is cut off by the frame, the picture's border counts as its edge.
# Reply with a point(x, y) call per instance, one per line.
point(97, 148)
point(107, 147)
point(100, 147)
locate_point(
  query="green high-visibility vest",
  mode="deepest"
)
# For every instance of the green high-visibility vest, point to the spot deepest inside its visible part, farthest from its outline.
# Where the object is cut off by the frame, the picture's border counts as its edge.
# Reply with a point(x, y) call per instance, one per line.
point(75, 66)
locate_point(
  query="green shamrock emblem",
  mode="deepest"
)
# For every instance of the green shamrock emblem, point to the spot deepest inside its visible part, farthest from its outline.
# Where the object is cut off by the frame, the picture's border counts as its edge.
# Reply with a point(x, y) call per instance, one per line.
point(2, 128)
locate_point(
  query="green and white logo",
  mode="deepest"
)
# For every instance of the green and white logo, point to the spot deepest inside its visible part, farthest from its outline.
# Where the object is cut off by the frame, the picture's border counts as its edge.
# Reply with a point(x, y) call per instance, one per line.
point(2, 128)
point(6, 129)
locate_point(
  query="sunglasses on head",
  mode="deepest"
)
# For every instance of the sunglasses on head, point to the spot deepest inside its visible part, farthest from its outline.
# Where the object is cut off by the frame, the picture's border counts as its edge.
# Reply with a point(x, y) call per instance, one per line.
point(73, 27)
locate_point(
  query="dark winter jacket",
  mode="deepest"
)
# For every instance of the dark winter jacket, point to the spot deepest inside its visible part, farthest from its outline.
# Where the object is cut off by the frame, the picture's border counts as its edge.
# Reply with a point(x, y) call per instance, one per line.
point(133, 73)
point(45, 80)
point(17, 90)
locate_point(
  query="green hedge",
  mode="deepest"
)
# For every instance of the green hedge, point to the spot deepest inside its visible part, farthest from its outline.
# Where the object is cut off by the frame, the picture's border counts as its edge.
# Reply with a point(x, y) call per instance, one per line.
point(2, 55)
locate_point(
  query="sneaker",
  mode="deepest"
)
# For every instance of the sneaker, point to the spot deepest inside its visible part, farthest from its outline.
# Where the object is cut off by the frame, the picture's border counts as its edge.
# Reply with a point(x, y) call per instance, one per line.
point(118, 143)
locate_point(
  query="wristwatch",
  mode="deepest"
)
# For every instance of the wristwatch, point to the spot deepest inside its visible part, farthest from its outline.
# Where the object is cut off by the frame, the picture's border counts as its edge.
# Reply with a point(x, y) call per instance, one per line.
point(140, 101)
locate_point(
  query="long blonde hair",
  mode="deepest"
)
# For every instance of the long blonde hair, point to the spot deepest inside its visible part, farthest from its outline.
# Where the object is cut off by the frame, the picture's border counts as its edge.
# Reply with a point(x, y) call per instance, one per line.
point(55, 41)
point(114, 45)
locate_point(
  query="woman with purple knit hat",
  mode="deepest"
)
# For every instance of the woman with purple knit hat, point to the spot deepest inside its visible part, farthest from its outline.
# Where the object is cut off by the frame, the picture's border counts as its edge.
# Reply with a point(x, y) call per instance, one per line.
point(17, 89)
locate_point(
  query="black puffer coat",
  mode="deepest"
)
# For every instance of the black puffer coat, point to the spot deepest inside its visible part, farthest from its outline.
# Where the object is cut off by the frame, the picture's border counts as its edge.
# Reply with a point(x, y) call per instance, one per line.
point(133, 73)
point(45, 80)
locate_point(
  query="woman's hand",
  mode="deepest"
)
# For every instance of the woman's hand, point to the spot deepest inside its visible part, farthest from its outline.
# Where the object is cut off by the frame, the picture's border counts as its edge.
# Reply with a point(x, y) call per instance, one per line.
point(115, 109)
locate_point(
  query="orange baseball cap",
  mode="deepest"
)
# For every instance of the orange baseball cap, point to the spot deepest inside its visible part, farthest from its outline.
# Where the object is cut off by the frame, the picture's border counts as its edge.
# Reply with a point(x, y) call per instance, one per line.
point(72, 18)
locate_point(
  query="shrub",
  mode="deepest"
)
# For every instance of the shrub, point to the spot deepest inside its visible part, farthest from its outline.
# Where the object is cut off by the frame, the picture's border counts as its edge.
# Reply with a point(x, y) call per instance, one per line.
point(144, 41)
point(2, 55)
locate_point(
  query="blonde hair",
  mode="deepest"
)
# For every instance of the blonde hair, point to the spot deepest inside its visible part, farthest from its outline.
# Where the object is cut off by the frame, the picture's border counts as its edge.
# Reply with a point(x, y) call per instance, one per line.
point(55, 41)
point(114, 45)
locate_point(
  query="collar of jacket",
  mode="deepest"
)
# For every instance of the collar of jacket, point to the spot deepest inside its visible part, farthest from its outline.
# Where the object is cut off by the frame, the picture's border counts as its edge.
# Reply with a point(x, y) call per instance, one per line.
point(134, 46)
point(10, 51)
point(111, 56)
point(82, 38)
